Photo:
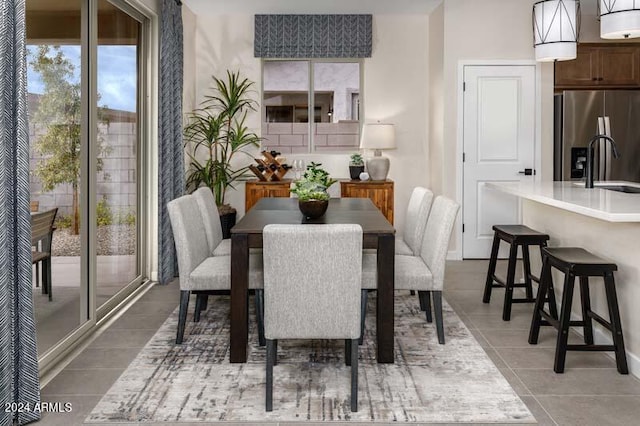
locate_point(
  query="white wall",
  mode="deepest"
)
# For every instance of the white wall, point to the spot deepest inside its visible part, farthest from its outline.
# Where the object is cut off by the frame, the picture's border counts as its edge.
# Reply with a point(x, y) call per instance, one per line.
point(485, 30)
point(396, 90)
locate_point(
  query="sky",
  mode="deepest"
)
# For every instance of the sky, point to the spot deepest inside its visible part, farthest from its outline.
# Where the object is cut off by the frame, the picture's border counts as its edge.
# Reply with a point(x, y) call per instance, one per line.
point(117, 77)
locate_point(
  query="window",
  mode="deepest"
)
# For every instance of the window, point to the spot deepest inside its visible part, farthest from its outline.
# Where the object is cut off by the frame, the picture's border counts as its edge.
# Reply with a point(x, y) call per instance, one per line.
point(294, 90)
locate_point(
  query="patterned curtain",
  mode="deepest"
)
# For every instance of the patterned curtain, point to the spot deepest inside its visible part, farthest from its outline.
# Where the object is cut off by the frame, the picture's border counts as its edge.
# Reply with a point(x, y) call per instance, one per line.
point(19, 381)
point(312, 36)
point(170, 148)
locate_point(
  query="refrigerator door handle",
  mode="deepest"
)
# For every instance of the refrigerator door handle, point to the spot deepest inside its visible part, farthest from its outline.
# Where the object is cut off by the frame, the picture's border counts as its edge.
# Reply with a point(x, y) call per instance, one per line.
point(607, 150)
point(601, 150)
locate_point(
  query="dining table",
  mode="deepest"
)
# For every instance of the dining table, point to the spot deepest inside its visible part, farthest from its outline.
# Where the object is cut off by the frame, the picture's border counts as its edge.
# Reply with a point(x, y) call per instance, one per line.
point(378, 234)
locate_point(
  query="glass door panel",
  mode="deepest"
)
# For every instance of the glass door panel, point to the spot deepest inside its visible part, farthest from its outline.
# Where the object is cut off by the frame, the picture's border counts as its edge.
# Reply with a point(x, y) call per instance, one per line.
point(54, 78)
point(118, 147)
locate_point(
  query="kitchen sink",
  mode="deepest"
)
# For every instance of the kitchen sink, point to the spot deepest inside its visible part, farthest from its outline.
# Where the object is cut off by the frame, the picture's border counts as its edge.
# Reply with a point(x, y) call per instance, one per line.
point(620, 188)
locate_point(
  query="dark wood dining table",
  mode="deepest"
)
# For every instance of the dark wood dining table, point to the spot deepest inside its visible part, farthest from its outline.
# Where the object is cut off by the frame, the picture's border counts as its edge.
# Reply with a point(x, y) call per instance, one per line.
point(378, 234)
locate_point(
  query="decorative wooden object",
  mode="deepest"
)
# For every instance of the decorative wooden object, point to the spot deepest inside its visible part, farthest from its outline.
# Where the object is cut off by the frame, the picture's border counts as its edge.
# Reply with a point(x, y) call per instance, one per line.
point(380, 192)
point(269, 168)
point(254, 190)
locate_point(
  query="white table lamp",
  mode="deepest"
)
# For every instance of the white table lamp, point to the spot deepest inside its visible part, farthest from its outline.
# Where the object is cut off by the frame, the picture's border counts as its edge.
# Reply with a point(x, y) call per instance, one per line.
point(378, 136)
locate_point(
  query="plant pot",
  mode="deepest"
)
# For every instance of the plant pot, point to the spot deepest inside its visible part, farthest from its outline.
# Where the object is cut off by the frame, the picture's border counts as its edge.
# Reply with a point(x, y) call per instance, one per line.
point(227, 220)
point(313, 209)
point(355, 171)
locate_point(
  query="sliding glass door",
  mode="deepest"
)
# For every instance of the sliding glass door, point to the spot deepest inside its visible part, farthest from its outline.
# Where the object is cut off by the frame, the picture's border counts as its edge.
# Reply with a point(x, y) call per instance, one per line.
point(86, 66)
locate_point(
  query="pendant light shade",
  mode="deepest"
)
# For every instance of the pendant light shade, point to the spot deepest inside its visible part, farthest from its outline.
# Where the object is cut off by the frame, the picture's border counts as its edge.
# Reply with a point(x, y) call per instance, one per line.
point(619, 18)
point(556, 25)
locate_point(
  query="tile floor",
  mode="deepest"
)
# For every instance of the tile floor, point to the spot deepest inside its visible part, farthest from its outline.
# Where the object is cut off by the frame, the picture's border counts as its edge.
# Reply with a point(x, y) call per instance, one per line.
point(590, 392)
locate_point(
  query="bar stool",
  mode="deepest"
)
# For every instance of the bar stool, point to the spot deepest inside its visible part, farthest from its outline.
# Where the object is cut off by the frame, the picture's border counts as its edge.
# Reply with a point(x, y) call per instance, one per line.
point(577, 262)
point(515, 235)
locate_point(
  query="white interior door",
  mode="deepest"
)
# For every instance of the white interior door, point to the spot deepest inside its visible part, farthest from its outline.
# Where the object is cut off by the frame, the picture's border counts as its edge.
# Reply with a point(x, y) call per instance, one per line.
point(499, 144)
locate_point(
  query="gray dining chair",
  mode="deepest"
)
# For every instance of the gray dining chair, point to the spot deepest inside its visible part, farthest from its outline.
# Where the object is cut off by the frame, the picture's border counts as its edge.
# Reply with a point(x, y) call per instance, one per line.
point(211, 218)
point(201, 273)
point(425, 272)
point(415, 222)
point(312, 281)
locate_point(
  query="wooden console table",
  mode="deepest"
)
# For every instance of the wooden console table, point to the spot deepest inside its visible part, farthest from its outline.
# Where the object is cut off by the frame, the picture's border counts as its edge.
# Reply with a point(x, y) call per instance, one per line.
point(380, 192)
point(255, 190)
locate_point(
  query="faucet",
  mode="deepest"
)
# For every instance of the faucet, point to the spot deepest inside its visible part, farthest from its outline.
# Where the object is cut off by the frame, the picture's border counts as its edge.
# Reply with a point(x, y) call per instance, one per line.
point(616, 154)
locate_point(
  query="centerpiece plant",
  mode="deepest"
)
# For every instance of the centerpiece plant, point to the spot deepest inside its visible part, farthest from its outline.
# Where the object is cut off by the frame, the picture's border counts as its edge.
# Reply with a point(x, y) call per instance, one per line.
point(311, 190)
point(215, 134)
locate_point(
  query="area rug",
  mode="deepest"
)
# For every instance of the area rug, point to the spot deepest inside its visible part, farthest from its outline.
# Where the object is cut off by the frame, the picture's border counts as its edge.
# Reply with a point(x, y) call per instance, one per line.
point(428, 383)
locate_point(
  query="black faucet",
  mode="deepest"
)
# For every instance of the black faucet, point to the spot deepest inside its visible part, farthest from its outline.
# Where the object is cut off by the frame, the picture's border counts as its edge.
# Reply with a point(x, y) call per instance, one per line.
point(616, 154)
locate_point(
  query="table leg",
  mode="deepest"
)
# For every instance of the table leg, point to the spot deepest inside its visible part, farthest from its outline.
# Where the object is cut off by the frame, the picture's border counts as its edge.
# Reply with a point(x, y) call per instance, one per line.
point(239, 293)
point(385, 303)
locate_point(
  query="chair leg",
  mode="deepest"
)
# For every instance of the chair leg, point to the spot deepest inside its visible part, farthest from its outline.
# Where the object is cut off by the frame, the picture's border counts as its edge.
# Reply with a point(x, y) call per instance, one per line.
point(182, 316)
point(259, 298)
point(271, 356)
point(364, 298)
point(412, 292)
point(347, 352)
point(354, 375)
point(38, 276)
point(46, 269)
point(199, 302)
point(425, 304)
point(563, 328)
point(544, 288)
point(616, 325)
point(437, 307)
point(486, 298)
point(205, 302)
point(586, 308)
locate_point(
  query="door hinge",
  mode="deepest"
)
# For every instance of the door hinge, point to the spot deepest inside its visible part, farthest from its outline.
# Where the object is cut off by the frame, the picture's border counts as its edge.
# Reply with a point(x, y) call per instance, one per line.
point(463, 227)
point(464, 86)
point(464, 157)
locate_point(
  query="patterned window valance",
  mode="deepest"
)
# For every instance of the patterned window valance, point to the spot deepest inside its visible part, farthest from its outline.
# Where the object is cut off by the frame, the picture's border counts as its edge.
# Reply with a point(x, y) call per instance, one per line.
point(312, 36)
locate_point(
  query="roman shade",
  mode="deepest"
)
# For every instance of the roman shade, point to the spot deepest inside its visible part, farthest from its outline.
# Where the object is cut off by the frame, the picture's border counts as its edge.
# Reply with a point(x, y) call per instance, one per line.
point(312, 36)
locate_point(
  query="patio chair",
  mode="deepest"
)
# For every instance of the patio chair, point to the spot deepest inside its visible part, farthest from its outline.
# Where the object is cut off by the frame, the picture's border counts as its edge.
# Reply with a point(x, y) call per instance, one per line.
point(312, 282)
point(41, 237)
point(201, 273)
point(424, 273)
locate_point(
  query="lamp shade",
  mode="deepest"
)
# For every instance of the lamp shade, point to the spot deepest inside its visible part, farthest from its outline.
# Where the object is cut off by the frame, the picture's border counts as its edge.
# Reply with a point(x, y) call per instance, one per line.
point(378, 136)
point(556, 26)
point(619, 18)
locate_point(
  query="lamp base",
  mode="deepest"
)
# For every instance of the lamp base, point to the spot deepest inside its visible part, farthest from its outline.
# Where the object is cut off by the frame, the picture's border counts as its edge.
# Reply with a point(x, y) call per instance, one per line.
point(378, 167)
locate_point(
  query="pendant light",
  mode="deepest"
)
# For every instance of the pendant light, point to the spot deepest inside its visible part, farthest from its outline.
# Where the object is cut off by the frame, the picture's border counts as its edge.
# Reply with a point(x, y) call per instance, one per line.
point(556, 26)
point(619, 18)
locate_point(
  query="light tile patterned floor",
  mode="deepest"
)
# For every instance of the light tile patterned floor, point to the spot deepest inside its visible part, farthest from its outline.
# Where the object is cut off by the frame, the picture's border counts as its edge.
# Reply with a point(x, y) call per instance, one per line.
point(591, 392)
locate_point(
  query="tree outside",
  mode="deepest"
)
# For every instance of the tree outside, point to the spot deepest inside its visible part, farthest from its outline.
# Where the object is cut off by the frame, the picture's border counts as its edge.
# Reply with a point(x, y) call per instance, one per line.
point(59, 112)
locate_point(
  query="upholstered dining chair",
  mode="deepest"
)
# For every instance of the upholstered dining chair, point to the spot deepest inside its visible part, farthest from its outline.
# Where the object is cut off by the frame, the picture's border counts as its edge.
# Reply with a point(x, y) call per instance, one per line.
point(211, 217)
point(41, 238)
point(199, 271)
point(312, 281)
point(415, 222)
point(425, 272)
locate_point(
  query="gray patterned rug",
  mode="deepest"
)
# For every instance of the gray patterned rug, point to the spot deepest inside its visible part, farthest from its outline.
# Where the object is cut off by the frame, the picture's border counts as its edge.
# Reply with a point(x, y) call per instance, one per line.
point(428, 382)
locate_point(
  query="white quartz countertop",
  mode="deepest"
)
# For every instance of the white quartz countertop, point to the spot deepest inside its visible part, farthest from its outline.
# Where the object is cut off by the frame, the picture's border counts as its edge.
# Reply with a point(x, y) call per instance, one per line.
point(603, 204)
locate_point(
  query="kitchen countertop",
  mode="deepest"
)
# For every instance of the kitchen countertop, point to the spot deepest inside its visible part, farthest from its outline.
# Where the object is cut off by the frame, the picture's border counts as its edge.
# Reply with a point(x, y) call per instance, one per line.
point(607, 205)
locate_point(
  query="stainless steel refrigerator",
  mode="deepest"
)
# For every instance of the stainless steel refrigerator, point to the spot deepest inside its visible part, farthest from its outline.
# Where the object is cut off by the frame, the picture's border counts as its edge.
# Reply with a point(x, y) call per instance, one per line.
point(579, 115)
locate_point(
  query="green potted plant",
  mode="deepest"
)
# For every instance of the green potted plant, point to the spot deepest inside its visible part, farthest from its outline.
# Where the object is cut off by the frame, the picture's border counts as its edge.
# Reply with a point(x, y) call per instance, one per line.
point(215, 134)
point(356, 166)
point(311, 189)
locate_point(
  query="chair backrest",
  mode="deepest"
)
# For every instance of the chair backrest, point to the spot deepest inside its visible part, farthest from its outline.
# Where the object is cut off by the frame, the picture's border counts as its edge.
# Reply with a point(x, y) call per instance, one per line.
point(210, 216)
point(42, 228)
point(435, 242)
point(189, 235)
point(417, 214)
point(312, 281)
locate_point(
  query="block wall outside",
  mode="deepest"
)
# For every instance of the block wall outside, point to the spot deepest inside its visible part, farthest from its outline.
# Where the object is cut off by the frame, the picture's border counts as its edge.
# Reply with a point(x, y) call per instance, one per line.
point(116, 182)
point(293, 138)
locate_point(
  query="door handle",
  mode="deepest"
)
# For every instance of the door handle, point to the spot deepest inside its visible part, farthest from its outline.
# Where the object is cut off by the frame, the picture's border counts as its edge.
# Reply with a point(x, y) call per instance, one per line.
point(527, 172)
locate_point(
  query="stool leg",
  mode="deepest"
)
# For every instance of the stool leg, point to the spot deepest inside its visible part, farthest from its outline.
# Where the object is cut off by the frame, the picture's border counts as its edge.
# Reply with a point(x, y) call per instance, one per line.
point(526, 265)
point(565, 318)
point(616, 325)
point(586, 309)
point(492, 269)
point(543, 289)
point(511, 276)
point(551, 299)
